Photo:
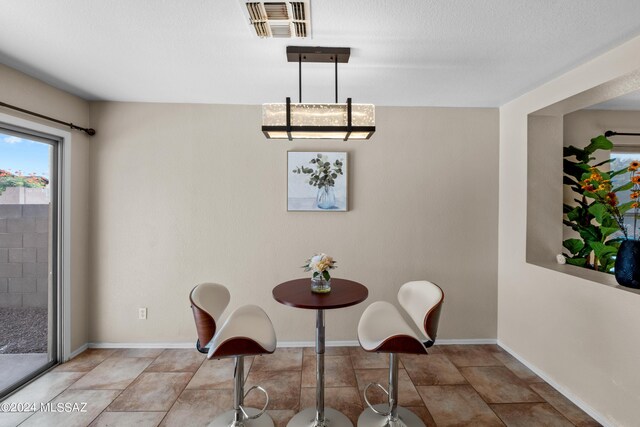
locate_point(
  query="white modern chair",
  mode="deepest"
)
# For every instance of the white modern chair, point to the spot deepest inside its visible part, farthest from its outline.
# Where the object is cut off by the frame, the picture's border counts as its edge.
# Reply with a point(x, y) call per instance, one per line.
point(247, 331)
point(382, 329)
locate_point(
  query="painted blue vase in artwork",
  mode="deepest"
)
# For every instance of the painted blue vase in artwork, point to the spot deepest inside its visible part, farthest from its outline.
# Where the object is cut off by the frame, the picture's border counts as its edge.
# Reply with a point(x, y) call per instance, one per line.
point(326, 198)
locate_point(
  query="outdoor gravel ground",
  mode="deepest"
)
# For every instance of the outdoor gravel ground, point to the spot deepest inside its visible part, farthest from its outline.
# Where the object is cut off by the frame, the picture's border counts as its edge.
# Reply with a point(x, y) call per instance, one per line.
point(23, 330)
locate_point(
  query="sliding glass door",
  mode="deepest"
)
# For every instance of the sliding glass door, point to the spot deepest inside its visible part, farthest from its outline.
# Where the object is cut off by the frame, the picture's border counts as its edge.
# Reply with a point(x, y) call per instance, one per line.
point(29, 246)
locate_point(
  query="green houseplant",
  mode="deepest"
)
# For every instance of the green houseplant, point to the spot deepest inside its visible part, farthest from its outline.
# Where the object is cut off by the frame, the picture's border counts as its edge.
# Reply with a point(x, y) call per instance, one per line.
point(597, 214)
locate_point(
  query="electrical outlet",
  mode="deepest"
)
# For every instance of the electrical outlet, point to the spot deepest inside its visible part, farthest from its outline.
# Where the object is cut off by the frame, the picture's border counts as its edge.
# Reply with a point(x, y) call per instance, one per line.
point(142, 313)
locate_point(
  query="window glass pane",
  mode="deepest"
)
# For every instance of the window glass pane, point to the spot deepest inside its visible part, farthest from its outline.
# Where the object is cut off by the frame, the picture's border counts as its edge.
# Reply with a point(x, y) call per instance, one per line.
point(622, 157)
point(27, 279)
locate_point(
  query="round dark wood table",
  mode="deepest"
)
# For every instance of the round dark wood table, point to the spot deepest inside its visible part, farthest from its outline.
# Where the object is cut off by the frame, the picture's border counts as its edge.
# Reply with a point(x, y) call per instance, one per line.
point(297, 293)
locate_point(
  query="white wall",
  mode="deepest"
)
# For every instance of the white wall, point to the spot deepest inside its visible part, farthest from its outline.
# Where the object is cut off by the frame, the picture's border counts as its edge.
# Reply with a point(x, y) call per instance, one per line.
point(183, 194)
point(582, 334)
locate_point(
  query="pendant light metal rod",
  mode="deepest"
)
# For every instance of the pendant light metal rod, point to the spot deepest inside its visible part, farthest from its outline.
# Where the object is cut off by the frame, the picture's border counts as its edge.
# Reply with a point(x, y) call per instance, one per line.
point(336, 62)
point(300, 78)
point(289, 119)
point(349, 127)
point(88, 131)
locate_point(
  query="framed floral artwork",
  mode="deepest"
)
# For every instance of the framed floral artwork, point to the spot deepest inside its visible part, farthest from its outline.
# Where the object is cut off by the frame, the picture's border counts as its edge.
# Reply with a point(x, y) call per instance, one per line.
point(317, 181)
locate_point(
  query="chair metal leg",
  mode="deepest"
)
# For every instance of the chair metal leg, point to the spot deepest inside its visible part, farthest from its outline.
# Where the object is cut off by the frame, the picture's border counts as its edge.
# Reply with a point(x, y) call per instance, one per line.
point(389, 415)
point(240, 416)
point(393, 386)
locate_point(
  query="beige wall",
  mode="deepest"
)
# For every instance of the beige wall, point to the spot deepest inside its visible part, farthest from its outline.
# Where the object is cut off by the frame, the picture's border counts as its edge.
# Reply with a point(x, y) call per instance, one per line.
point(26, 92)
point(581, 334)
point(183, 194)
point(544, 172)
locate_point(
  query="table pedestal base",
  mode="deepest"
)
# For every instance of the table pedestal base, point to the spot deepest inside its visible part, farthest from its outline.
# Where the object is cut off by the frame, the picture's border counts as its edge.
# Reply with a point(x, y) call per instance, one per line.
point(226, 419)
point(307, 418)
point(406, 418)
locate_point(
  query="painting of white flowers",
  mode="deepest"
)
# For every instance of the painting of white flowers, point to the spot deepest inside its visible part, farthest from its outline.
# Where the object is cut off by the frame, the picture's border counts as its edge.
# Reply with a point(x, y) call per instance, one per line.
point(317, 181)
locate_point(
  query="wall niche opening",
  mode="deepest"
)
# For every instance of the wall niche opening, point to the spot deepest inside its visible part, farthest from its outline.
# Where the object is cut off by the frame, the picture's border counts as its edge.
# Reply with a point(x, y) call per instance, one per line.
point(574, 121)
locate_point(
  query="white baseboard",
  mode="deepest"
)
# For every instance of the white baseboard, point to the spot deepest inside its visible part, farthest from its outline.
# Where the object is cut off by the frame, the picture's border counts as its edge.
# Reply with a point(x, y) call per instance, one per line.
point(565, 392)
point(288, 344)
point(467, 341)
point(77, 351)
point(281, 344)
point(189, 344)
point(355, 343)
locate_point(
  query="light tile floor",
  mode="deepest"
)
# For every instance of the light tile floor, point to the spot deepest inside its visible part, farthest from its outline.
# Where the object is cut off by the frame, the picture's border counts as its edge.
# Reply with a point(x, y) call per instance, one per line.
point(455, 385)
point(16, 366)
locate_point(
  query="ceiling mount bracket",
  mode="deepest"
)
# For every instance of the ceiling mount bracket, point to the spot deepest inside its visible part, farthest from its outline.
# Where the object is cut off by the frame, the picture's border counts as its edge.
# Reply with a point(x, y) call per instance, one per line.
point(318, 54)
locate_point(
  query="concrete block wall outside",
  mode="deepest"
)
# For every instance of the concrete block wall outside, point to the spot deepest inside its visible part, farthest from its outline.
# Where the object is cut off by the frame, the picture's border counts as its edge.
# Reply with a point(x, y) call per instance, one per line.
point(25, 196)
point(10, 211)
point(24, 255)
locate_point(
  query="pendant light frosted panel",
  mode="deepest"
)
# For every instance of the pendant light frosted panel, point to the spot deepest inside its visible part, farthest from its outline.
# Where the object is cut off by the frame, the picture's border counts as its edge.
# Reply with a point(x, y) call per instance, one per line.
point(318, 114)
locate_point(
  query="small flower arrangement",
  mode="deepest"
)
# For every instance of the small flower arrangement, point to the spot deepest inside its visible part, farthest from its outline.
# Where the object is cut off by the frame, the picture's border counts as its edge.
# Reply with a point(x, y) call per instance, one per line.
point(320, 264)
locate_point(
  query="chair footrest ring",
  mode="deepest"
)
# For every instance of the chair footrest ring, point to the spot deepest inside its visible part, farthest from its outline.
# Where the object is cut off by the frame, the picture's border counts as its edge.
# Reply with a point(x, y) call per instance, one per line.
point(264, 408)
point(384, 390)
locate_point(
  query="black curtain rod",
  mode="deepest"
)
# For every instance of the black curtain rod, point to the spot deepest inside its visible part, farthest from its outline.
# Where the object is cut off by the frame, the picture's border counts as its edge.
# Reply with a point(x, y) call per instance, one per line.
point(614, 133)
point(88, 131)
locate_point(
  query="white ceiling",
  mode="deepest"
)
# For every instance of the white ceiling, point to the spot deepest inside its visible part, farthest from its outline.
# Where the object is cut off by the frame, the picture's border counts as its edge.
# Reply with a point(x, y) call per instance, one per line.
point(404, 52)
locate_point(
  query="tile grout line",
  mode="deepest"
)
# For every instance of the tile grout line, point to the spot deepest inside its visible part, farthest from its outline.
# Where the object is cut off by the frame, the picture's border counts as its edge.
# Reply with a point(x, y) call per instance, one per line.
point(353, 370)
point(121, 391)
point(531, 403)
point(458, 368)
point(154, 359)
point(53, 398)
point(489, 404)
point(179, 394)
point(67, 388)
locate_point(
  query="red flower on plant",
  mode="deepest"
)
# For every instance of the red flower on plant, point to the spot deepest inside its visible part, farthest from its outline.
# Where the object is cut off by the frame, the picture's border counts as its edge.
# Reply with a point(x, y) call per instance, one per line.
point(587, 187)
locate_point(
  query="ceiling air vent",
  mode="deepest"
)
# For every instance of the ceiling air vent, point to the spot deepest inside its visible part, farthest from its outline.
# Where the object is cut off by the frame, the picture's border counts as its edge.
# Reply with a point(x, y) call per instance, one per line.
point(276, 11)
point(285, 19)
point(297, 10)
point(256, 12)
point(280, 30)
point(261, 29)
point(301, 29)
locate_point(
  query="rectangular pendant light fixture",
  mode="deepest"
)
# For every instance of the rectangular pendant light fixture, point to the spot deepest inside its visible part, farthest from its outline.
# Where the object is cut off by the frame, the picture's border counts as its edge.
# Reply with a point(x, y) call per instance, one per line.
point(318, 121)
point(290, 121)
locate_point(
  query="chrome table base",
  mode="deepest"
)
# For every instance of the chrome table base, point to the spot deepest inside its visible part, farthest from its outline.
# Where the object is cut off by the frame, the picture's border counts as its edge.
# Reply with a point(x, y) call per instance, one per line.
point(320, 416)
point(226, 420)
point(332, 418)
point(406, 418)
